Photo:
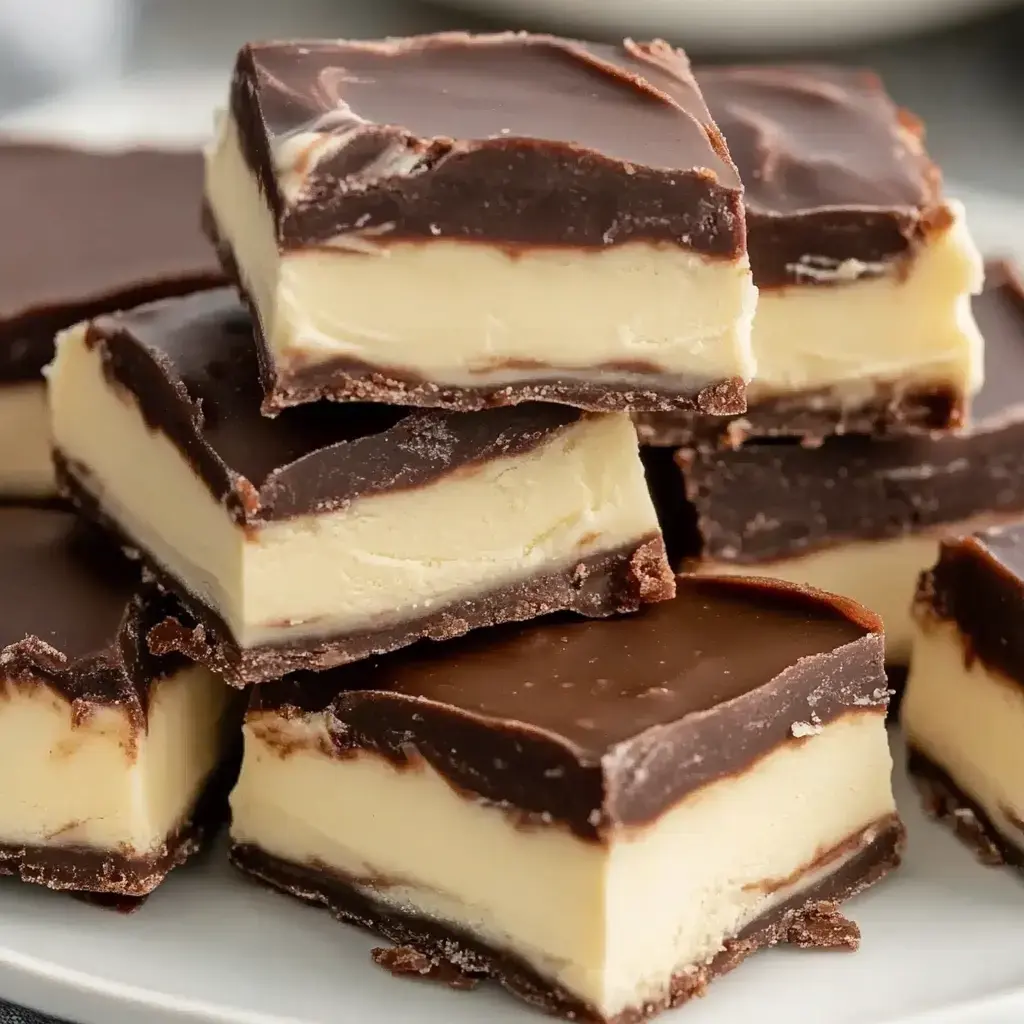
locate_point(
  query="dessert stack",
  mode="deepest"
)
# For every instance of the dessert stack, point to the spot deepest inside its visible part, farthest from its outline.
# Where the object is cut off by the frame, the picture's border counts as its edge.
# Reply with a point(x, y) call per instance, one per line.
point(385, 490)
point(873, 426)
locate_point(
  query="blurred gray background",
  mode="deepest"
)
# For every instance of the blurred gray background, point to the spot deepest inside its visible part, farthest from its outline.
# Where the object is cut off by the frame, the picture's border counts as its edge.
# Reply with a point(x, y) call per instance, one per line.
point(963, 75)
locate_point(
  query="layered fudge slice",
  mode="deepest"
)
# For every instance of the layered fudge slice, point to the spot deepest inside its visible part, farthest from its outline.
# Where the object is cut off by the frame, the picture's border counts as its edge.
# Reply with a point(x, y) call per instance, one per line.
point(864, 268)
point(856, 515)
point(113, 760)
point(85, 233)
point(338, 530)
point(603, 816)
point(466, 221)
point(963, 712)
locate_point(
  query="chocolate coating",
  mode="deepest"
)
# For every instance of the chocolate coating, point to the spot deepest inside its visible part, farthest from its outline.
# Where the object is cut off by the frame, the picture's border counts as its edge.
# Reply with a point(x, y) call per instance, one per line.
point(606, 724)
point(863, 488)
point(73, 615)
point(515, 138)
point(978, 583)
point(191, 364)
point(90, 232)
point(832, 169)
point(59, 582)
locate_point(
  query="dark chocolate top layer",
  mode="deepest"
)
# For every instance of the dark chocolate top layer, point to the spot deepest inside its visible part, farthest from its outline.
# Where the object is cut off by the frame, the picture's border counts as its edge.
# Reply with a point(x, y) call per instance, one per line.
point(862, 488)
point(978, 583)
point(832, 169)
point(516, 138)
point(90, 232)
point(72, 611)
point(191, 364)
point(604, 723)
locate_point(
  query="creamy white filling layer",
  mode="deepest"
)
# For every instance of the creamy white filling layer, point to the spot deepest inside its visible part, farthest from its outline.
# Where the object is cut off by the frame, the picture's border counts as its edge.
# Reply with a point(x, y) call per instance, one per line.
point(26, 464)
point(969, 720)
point(471, 314)
point(912, 327)
point(577, 495)
point(880, 574)
point(611, 923)
point(91, 779)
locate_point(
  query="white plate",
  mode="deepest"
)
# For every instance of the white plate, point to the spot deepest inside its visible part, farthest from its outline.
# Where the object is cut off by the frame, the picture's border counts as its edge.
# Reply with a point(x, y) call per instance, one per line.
point(747, 25)
point(942, 938)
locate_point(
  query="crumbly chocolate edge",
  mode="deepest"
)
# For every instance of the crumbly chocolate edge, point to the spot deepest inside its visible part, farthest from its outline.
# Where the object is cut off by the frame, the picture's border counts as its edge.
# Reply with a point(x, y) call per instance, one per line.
point(596, 586)
point(943, 800)
point(347, 380)
point(93, 872)
point(810, 417)
point(120, 675)
point(792, 921)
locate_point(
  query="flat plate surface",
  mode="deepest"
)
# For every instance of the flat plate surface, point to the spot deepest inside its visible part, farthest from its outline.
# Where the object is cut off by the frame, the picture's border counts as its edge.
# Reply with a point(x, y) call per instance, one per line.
point(943, 938)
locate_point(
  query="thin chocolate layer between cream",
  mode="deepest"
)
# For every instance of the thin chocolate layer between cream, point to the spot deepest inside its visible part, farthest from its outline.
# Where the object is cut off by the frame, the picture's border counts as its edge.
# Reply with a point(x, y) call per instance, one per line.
point(807, 920)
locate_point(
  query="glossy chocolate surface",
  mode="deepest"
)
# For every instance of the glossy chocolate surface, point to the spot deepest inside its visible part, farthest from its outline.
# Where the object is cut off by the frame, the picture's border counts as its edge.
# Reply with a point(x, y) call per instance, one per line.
point(60, 582)
point(90, 232)
point(832, 169)
point(73, 612)
point(607, 723)
point(515, 138)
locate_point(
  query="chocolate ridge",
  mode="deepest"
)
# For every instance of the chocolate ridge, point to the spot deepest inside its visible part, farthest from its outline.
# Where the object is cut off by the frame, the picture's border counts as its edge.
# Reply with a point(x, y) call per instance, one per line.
point(126, 237)
point(347, 380)
point(87, 870)
point(791, 921)
point(598, 585)
point(978, 584)
point(943, 800)
point(517, 186)
point(832, 169)
point(191, 365)
point(609, 775)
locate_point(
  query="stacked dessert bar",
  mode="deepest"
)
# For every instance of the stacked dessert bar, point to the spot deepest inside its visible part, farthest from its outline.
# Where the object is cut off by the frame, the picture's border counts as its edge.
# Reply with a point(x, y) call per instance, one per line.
point(386, 491)
point(859, 445)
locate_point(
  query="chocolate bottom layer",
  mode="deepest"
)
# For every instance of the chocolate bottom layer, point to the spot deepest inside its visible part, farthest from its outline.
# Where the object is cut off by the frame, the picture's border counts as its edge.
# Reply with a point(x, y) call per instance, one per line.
point(119, 877)
point(608, 387)
point(945, 801)
point(807, 920)
point(810, 416)
point(596, 586)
